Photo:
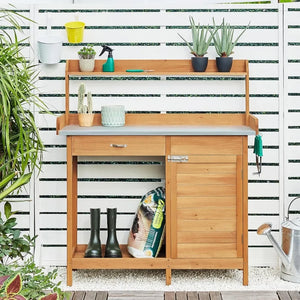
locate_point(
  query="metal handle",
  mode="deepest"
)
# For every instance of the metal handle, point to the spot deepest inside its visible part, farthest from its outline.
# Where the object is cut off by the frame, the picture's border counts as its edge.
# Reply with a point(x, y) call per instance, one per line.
point(288, 210)
point(118, 145)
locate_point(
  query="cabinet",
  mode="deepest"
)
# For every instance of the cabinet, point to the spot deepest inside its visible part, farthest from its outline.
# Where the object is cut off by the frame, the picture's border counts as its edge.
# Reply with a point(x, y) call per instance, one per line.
point(206, 159)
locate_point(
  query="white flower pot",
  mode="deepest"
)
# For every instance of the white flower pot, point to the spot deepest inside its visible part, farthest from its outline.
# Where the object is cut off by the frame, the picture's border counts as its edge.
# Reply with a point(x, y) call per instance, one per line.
point(50, 49)
point(86, 65)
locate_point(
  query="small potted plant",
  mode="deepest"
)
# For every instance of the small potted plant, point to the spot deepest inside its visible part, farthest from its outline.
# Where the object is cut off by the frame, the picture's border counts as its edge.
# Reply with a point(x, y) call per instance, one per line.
point(87, 59)
point(199, 46)
point(224, 44)
point(85, 112)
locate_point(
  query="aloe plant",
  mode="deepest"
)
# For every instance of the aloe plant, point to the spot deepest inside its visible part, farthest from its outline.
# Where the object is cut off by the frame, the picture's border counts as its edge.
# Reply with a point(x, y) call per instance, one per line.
point(202, 38)
point(224, 42)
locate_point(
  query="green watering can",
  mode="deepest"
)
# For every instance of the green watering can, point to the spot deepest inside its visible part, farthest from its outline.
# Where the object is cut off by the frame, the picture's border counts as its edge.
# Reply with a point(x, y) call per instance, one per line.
point(258, 151)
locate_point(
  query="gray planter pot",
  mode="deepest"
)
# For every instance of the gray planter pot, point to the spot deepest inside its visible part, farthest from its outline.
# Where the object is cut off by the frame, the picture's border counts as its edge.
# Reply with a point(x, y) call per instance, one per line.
point(199, 63)
point(224, 64)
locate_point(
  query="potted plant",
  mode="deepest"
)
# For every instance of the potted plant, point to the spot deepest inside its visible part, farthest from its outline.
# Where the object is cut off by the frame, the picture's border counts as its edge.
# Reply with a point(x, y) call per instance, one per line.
point(199, 46)
point(85, 112)
point(224, 45)
point(87, 59)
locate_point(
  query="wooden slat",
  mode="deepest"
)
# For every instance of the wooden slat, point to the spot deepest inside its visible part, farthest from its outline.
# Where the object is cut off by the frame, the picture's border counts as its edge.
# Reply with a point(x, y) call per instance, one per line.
point(203, 296)
point(206, 250)
point(91, 295)
point(207, 212)
point(188, 202)
point(79, 295)
point(170, 296)
point(295, 295)
point(206, 237)
point(202, 168)
point(192, 296)
point(181, 296)
point(215, 296)
point(206, 190)
point(283, 295)
point(217, 179)
point(206, 225)
point(136, 295)
point(102, 295)
point(249, 295)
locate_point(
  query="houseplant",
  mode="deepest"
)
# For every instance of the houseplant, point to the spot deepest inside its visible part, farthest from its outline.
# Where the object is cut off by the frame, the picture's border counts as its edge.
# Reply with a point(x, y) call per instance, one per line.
point(85, 112)
point(87, 59)
point(199, 46)
point(224, 44)
point(20, 150)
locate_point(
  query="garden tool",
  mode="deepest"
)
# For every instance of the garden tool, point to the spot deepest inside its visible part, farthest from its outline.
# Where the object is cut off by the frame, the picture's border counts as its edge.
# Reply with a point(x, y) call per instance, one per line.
point(112, 248)
point(94, 245)
point(258, 150)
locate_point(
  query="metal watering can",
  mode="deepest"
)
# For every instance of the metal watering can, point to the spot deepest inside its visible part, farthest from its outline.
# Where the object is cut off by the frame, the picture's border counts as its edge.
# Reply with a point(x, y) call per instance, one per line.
point(290, 251)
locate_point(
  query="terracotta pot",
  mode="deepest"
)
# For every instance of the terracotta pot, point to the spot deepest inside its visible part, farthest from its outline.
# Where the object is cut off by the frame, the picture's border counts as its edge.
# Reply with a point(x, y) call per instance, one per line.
point(85, 120)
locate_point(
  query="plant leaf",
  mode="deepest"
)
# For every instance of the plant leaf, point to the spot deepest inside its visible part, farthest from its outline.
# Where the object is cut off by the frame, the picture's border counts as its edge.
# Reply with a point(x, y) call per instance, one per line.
point(19, 297)
point(14, 286)
point(49, 297)
point(2, 280)
point(7, 210)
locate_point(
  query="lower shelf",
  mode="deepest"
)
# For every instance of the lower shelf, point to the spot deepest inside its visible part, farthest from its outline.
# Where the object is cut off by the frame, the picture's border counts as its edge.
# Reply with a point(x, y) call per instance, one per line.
point(126, 262)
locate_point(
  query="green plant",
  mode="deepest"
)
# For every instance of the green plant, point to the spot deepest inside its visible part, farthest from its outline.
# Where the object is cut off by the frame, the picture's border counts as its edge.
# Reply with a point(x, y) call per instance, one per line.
point(20, 144)
point(201, 41)
point(87, 52)
point(35, 280)
point(13, 246)
point(13, 289)
point(83, 108)
point(224, 42)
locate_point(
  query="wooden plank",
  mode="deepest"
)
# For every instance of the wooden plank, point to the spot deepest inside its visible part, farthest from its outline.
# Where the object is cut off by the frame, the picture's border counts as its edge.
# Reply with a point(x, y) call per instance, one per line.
point(101, 295)
point(181, 296)
point(295, 295)
point(206, 237)
point(206, 225)
point(249, 295)
point(192, 296)
point(205, 168)
point(283, 295)
point(188, 202)
point(90, 295)
point(207, 179)
point(170, 296)
point(79, 295)
point(203, 296)
point(206, 250)
point(206, 190)
point(135, 295)
point(215, 296)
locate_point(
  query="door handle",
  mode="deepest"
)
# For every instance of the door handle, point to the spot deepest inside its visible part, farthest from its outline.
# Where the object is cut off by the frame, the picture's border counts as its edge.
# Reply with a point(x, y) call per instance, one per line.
point(118, 145)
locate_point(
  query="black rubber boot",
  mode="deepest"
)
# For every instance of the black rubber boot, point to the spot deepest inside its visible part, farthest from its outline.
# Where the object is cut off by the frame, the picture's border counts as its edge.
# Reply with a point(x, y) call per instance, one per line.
point(94, 245)
point(112, 248)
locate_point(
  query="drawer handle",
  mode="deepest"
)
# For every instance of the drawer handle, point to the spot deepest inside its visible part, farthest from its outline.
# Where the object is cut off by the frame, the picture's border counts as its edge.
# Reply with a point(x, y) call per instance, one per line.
point(118, 145)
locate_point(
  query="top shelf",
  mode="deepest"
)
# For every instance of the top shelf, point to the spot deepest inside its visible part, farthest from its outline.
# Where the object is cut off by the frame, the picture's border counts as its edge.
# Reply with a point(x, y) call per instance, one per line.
point(158, 67)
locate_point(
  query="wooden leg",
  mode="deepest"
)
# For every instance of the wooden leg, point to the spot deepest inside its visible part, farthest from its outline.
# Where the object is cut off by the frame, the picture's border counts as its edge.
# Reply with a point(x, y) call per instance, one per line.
point(245, 274)
point(168, 276)
point(69, 275)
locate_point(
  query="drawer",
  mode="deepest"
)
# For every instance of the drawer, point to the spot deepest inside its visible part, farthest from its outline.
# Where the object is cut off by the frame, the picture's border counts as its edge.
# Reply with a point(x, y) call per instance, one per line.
point(212, 145)
point(118, 145)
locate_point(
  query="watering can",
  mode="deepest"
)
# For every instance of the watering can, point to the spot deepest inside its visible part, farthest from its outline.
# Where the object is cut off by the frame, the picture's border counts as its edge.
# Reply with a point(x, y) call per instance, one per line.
point(290, 250)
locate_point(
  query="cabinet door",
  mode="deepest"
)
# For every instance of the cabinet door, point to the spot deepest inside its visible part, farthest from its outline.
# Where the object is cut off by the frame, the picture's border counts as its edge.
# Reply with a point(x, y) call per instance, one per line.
point(206, 207)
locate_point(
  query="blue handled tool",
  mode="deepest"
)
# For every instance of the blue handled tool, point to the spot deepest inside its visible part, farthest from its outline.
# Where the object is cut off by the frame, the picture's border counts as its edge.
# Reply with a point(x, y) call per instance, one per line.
point(138, 70)
point(258, 151)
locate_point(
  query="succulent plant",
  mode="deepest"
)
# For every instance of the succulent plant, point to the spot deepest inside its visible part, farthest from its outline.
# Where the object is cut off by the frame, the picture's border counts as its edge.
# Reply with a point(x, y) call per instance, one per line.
point(83, 108)
point(223, 42)
point(87, 52)
point(201, 40)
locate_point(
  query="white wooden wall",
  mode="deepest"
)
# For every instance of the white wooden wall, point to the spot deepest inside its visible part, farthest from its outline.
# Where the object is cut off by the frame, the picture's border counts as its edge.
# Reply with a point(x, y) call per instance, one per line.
point(143, 31)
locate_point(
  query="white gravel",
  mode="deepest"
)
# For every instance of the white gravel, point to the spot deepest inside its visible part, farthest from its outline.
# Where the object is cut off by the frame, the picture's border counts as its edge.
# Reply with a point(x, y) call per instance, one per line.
point(191, 280)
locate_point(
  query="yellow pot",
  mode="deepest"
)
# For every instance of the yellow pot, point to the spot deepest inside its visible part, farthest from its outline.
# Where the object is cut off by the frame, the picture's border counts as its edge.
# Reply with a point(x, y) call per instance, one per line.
point(75, 31)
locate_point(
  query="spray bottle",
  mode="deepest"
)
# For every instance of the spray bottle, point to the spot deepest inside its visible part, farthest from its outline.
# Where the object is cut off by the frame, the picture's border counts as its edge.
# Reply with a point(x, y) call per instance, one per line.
point(109, 66)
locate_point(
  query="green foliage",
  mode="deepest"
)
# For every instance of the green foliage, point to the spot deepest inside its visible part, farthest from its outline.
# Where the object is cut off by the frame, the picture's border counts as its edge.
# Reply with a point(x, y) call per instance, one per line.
point(201, 40)
point(13, 246)
point(20, 143)
point(224, 42)
point(87, 52)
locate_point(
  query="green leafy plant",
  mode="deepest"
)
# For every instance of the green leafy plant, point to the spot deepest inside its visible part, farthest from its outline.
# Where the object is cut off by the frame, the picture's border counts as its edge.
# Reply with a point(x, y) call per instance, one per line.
point(201, 38)
point(87, 52)
point(83, 108)
point(13, 289)
point(20, 143)
point(224, 42)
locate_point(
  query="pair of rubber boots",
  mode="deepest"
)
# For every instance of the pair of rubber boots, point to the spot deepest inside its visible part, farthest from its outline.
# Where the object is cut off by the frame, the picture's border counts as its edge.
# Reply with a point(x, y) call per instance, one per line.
point(112, 248)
